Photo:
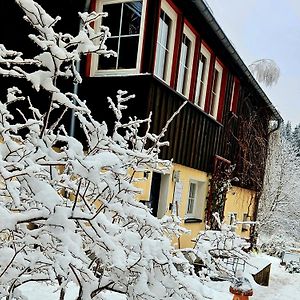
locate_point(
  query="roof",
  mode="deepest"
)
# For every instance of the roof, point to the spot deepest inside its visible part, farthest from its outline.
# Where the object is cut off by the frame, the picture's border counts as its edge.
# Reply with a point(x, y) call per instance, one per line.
point(208, 16)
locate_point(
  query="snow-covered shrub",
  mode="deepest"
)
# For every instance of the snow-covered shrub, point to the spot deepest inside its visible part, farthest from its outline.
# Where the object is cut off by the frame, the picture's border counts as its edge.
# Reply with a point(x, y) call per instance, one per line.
point(293, 266)
point(68, 212)
point(272, 245)
point(222, 252)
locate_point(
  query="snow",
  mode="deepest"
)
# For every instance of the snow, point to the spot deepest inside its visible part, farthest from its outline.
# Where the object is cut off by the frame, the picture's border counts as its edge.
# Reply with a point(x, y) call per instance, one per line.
point(283, 286)
point(70, 216)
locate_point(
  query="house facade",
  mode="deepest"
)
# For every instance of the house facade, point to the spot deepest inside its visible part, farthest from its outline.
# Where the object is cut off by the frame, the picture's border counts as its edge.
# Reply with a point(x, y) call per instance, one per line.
point(169, 52)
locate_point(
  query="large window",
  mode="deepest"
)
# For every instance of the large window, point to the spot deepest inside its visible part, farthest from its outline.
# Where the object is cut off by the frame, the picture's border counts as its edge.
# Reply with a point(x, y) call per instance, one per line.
point(215, 91)
point(186, 61)
point(202, 77)
point(125, 21)
point(165, 42)
point(196, 198)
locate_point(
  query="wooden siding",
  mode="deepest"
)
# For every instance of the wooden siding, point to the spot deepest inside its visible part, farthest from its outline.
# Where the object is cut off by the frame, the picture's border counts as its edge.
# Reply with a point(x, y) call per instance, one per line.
point(194, 136)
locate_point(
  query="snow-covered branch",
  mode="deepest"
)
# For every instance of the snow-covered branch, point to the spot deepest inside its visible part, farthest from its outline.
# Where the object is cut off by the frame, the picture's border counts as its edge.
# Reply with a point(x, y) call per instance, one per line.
point(69, 212)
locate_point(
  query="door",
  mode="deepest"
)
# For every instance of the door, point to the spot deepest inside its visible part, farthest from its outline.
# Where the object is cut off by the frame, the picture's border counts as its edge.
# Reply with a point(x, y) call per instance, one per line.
point(155, 192)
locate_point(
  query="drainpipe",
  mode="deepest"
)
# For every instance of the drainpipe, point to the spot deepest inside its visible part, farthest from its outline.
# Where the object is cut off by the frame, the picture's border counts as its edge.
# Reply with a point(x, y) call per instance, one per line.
point(75, 88)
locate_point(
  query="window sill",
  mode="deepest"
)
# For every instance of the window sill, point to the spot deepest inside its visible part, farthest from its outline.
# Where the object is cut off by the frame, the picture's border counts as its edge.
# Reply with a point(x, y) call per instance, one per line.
point(192, 220)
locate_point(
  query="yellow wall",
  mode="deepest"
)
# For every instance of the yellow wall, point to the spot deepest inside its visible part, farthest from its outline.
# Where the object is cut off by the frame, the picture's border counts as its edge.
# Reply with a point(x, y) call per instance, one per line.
point(144, 185)
point(166, 199)
point(186, 175)
point(239, 201)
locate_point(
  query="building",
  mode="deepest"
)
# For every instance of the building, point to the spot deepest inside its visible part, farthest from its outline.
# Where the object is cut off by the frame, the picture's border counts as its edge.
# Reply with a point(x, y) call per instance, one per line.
point(170, 51)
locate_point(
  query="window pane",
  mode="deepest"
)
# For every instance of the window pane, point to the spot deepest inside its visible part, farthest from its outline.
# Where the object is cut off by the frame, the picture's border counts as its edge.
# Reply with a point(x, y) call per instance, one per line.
point(190, 206)
point(131, 20)
point(114, 17)
point(111, 62)
point(180, 79)
point(214, 100)
point(165, 23)
point(160, 61)
point(183, 64)
point(162, 46)
point(199, 83)
point(216, 79)
point(128, 52)
point(192, 196)
point(192, 190)
point(182, 69)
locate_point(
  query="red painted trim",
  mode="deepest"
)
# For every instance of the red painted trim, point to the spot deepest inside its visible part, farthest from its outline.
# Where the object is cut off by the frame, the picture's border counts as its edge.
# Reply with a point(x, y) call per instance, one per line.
point(195, 70)
point(149, 22)
point(176, 53)
point(235, 95)
point(88, 63)
point(220, 62)
point(177, 10)
point(222, 95)
point(191, 27)
point(93, 5)
point(206, 46)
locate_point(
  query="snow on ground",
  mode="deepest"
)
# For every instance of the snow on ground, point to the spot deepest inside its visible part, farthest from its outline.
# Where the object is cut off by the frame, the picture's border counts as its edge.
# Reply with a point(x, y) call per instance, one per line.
point(283, 286)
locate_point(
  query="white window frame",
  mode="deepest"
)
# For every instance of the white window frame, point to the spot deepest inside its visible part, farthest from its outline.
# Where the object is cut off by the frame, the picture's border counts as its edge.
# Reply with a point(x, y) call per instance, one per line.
point(197, 210)
point(199, 98)
point(95, 57)
point(171, 13)
point(215, 95)
point(190, 60)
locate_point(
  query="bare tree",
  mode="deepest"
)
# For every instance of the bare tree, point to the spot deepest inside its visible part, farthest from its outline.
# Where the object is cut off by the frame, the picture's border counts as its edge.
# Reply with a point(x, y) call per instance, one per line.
point(279, 203)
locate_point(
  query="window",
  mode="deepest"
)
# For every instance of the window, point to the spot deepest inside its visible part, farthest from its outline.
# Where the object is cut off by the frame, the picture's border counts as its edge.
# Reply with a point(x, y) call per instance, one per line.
point(186, 61)
point(215, 92)
point(125, 21)
point(234, 95)
point(165, 42)
point(195, 201)
point(192, 198)
point(202, 77)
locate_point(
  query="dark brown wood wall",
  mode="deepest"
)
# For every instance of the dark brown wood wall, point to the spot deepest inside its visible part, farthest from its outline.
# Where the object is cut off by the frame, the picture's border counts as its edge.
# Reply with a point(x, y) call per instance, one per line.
point(193, 135)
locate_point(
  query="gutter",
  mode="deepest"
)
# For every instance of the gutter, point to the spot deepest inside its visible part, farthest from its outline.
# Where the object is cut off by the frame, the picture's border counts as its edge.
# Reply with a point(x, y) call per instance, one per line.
point(205, 11)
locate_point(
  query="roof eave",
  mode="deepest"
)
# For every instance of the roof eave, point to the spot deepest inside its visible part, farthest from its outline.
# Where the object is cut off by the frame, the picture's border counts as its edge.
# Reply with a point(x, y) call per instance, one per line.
point(206, 13)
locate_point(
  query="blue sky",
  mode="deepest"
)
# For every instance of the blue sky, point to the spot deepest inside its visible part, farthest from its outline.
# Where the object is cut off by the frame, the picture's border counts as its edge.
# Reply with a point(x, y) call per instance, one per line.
point(267, 29)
